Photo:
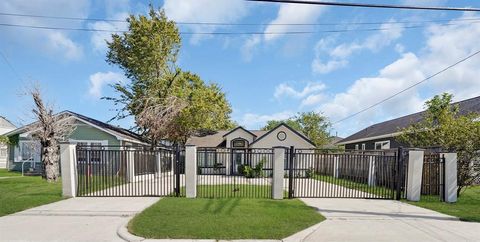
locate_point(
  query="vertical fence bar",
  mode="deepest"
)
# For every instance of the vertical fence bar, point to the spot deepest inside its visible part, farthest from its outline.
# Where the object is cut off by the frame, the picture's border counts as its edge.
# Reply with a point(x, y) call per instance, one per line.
point(399, 173)
point(290, 172)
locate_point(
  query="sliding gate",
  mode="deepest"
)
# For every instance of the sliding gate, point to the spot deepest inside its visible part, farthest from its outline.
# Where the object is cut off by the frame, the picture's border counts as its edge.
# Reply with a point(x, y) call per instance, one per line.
point(319, 174)
point(125, 171)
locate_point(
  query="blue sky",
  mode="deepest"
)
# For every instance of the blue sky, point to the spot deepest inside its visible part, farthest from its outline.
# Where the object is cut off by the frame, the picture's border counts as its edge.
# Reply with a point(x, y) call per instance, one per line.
point(265, 76)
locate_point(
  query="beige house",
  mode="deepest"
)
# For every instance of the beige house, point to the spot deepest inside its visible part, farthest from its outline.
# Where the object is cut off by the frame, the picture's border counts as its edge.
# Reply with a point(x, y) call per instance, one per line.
point(226, 151)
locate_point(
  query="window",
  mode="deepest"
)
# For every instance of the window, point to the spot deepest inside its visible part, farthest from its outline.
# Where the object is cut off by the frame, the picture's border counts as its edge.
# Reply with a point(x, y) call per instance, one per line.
point(363, 146)
point(90, 154)
point(238, 143)
point(382, 145)
point(30, 151)
point(356, 147)
point(3, 152)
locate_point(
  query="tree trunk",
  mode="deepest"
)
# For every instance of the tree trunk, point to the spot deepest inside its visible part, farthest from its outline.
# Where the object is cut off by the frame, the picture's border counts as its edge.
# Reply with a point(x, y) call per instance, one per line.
point(50, 161)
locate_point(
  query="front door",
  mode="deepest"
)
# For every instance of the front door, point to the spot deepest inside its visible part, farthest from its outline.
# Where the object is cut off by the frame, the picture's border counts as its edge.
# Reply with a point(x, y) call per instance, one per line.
point(238, 159)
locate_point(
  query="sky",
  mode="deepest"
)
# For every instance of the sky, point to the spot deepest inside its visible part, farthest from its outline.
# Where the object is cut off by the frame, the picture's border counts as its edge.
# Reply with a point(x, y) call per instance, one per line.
point(267, 75)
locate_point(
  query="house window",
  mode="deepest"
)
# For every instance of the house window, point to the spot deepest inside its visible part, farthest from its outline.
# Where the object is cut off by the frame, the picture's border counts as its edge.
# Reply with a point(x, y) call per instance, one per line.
point(238, 143)
point(3, 152)
point(356, 147)
point(91, 147)
point(30, 151)
point(363, 146)
point(382, 145)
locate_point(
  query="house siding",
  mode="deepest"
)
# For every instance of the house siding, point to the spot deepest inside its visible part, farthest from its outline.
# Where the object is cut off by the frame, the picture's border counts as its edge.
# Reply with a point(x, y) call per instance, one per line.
point(370, 144)
point(82, 132)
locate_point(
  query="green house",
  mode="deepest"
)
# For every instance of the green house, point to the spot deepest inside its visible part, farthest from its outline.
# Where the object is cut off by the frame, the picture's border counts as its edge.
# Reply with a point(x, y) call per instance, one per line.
point(88, 131)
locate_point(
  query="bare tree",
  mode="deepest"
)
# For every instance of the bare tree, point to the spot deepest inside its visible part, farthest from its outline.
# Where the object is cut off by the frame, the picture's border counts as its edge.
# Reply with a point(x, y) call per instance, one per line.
point(49, 130)
point(158, 116)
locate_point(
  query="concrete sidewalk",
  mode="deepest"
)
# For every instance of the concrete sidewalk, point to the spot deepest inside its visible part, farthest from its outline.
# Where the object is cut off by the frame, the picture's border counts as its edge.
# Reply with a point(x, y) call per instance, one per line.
point(76, 219)
point(386, 220)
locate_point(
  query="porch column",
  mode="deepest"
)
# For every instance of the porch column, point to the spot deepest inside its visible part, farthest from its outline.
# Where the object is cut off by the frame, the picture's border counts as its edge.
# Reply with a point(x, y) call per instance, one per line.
point(68, 166)
point(191, 171)
point(414, 176)
point(278, 172)
point(371, 171)
point(450, 174)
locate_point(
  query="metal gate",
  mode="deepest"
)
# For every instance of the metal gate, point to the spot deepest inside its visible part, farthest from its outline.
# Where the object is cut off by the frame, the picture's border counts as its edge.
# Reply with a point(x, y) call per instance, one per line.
point(322, 174)
point(126, 171)
point(230, 172)
point(433, 177)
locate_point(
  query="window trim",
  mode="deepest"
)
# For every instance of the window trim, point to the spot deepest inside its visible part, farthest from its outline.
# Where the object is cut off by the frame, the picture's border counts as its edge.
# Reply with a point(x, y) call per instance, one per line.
point(364, 146)
point(381, 144)
point(18, 157)
point(357, 147)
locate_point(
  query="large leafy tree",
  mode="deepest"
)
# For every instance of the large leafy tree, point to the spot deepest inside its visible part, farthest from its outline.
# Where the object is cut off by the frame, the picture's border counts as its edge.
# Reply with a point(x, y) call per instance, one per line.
point(167, 102)
point(444, 127)
point(313, 125)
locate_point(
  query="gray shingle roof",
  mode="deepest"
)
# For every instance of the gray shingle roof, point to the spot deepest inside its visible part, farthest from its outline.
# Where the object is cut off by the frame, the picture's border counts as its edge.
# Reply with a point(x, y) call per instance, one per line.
point(467, 106)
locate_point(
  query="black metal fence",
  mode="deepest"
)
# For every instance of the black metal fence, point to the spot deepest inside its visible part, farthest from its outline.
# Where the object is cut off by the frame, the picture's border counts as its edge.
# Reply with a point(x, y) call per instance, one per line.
point(315, 173)
point(119, 171)
point(225, 172)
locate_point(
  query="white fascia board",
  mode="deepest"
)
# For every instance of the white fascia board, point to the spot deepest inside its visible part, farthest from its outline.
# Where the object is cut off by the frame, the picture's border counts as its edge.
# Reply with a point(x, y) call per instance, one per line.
point(370, 138)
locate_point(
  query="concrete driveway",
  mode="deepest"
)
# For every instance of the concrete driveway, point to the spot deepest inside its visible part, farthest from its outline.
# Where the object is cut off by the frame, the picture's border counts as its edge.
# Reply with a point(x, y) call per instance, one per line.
point(386, 220)
point(76, 219)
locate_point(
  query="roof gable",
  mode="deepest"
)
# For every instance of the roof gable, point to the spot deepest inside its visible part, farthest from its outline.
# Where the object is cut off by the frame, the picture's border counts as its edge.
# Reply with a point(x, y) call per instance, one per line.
point(288, 127)
point(237, 128)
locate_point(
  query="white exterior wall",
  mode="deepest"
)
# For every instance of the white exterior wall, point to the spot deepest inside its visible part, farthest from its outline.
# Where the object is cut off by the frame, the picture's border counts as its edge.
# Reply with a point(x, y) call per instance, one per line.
point(3, 148)
point(292, 140)
point(239, 133)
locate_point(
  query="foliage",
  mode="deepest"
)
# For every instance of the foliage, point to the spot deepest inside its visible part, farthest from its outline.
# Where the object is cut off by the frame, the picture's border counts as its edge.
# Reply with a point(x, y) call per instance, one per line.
point(255, 172)
point(167, 103)
point(223, 219)
point(310, 173)
point(4, 140)
point(313, 125)
point(248, 171)
point(217, 166)
point(49, 130)
point(444, 127)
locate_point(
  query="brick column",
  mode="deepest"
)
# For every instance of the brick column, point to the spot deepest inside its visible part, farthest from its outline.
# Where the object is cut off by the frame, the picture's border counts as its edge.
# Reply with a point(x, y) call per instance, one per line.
point(191, 171)
point(414, 176)
point(278, 172)
point(68, 166)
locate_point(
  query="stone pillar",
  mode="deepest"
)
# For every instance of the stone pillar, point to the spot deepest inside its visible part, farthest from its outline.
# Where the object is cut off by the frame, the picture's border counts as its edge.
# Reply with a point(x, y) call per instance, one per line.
point(450, 174)
point(336, 167)
point(414, 176)
point(68, 166)
point(278, 172)
point(191, 171)
point(130, 165)
point(371, 171)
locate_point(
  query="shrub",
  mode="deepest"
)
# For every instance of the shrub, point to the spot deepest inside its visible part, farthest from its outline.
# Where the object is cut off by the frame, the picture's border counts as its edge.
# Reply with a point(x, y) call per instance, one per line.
point(309, 173)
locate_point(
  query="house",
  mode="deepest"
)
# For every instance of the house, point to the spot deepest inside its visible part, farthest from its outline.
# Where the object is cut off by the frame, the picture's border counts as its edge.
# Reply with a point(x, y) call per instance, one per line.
point(88, 131)
point(382, 135)
point(225, 151)
point(5, 127)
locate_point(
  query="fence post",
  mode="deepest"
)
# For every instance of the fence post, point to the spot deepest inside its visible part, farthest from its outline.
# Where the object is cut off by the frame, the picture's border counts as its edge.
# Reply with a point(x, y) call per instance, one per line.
point(291, 175)
point(278, 172)
point(130, 165)
point(68, 166)
point(450, 177)
point(191, 171)
point(399, 173)
point(414, 176)
point(336, 167)
point(371, 171)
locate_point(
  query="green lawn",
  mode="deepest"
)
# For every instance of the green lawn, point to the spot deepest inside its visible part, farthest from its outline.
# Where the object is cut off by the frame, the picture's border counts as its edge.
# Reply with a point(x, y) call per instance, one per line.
point(467, 208)
point(20, 193)
point(376, 190)
point(231, 190)
point(223, 218)
point(6, 173)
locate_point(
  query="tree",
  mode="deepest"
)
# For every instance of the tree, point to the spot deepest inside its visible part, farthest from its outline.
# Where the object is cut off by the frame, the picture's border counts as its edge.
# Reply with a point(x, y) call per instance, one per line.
point(444, 127)
point(167, 102)
point(48, 130)
point(311, 124)
point(4, 140)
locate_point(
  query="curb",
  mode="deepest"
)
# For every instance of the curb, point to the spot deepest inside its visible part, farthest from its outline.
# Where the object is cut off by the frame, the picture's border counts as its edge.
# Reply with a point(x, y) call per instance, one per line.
point(123, 233)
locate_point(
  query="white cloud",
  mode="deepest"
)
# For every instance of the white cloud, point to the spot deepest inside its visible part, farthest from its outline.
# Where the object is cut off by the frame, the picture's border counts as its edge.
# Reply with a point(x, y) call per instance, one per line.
point(205, 11)
point(287, 13)
point(338, 55)
point(285, 90)
point(101, 79)
point(313, 99)
point(444, 46)
point(256, 121)
point(52, 42)
point(99, 39)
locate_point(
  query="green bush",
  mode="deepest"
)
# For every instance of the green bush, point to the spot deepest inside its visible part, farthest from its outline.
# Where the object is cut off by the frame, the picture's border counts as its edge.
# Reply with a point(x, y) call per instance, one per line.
point(310, 173)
